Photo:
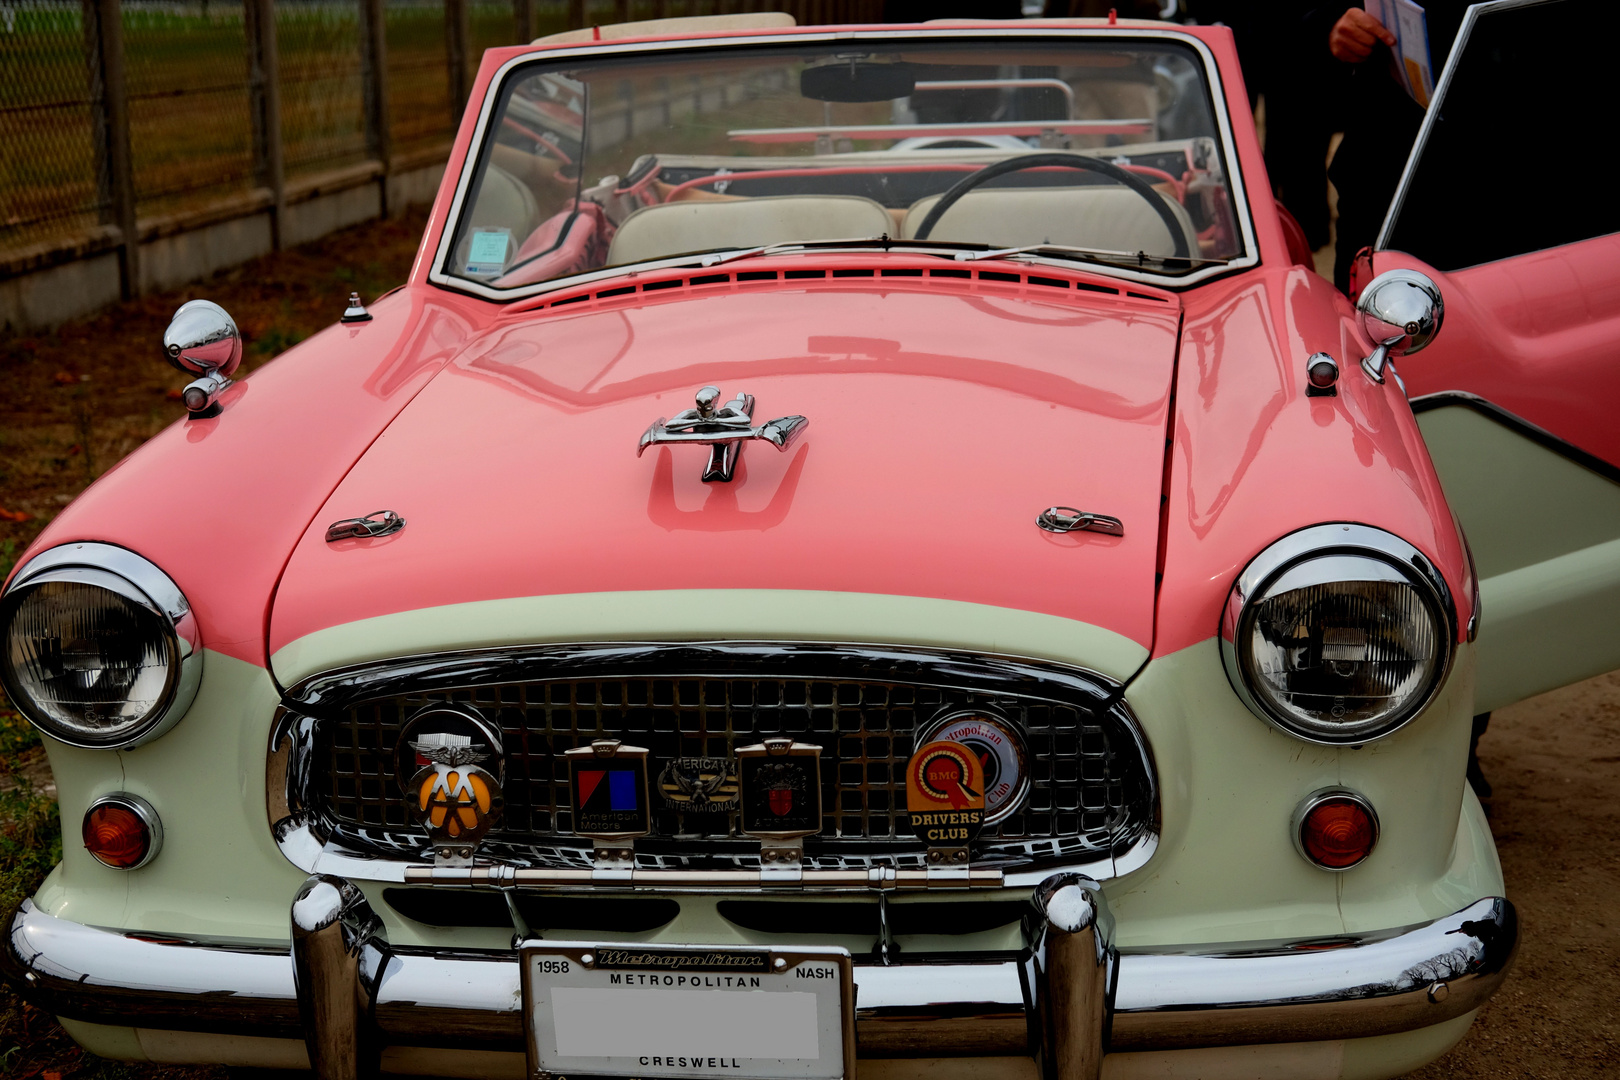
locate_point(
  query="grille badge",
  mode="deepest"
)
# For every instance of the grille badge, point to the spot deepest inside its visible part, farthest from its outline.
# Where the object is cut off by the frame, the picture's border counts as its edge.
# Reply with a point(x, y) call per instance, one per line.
point(999, 745)
point(945, 799)
point(700, 785)
point(609, 784)
point(780, 783)
point(453, 758)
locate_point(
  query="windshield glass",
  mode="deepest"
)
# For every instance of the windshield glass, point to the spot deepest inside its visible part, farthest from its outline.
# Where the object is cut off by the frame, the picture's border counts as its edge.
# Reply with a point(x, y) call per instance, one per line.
point(1111, 147)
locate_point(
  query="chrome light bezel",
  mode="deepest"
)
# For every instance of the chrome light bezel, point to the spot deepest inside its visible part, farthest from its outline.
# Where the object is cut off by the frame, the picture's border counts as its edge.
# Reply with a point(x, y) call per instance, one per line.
point(1296, 825)
point(1322, 542)
point(161, 594)
point(140, 808)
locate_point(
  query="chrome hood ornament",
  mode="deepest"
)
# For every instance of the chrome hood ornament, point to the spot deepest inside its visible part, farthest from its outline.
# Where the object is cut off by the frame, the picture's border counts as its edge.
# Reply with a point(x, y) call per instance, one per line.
point(723, 430)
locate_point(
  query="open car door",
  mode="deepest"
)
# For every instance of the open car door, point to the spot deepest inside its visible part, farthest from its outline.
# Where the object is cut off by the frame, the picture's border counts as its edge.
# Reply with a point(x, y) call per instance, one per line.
point(1506, 204)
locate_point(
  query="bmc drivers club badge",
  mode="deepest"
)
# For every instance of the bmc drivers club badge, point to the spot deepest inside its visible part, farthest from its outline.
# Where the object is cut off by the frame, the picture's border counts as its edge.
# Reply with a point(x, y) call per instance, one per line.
point(945, 798)
point(450, 792)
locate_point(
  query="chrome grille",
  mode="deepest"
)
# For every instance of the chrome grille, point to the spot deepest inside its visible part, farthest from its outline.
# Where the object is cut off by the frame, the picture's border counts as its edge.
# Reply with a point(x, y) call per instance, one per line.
point(1091, 792)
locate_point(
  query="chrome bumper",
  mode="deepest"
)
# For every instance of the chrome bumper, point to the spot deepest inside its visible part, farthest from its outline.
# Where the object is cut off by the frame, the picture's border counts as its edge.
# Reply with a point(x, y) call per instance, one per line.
point(1067, 999)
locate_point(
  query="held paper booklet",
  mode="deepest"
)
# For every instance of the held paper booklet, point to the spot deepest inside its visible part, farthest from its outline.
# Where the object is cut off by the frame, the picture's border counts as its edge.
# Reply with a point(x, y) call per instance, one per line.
point(1408, 23)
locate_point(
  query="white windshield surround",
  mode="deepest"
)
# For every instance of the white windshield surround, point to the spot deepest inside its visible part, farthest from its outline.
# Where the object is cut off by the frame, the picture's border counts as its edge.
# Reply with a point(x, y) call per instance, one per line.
point(1246, 257)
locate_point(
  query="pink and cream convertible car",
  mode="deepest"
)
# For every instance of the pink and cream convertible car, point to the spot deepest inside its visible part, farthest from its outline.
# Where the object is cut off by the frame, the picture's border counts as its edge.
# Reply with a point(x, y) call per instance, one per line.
point(858, 549)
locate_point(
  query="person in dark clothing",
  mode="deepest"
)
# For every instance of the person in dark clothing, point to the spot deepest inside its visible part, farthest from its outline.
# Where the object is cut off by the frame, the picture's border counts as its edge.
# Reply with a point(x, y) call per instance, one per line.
point(1381, 121)
point(1281, 59)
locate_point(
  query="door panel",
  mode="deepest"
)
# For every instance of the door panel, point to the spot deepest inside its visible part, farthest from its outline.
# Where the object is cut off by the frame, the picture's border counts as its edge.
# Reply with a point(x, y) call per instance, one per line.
point(1518, 396)
point(1545, 535)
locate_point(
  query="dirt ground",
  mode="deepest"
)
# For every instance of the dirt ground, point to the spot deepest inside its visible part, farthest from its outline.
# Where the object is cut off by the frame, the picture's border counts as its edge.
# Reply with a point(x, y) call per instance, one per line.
point(82, 397)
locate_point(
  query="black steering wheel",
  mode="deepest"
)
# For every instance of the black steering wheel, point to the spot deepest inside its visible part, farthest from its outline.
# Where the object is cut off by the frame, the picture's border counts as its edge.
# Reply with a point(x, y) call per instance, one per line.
point(1072, 161)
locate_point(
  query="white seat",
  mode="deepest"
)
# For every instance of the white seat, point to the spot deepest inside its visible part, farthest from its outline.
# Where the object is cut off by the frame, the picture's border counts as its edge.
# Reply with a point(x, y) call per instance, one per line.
point(1108, 218)
point(673, 228)
point(505, 202)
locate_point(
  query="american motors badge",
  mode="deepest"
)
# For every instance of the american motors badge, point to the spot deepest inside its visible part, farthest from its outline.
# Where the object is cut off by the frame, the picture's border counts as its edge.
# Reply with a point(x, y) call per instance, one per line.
point(700, 785)
point(999, 745)
point(609, 785)
point(945, 794)
point(780, 784)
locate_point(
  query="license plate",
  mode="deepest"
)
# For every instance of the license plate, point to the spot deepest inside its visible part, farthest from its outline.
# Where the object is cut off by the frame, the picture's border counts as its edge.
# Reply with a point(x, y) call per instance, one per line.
point(596, 1009)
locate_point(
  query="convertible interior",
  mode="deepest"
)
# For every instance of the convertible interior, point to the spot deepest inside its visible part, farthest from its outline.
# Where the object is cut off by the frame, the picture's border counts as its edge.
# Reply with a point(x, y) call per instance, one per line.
point(1114, 154)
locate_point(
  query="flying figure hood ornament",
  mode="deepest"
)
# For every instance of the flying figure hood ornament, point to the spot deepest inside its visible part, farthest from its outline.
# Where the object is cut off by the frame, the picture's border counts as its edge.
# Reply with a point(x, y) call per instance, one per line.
point(723, 430)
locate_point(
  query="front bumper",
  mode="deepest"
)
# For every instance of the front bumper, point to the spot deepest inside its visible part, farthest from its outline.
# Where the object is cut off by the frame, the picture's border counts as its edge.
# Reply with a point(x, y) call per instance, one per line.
point(1067, 999)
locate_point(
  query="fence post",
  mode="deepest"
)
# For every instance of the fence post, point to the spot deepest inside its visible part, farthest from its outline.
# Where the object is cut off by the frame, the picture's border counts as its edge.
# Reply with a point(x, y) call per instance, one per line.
point(523, 21)
point(374, 81)
point(264, 107)
point(104, 51)
point(456, 33)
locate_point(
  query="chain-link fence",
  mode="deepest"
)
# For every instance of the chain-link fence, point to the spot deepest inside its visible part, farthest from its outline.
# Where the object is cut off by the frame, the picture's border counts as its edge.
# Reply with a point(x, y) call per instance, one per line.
point(116, 115)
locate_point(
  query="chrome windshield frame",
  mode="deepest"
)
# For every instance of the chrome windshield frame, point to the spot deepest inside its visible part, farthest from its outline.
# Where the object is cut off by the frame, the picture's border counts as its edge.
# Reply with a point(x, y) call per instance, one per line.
point(605, 50)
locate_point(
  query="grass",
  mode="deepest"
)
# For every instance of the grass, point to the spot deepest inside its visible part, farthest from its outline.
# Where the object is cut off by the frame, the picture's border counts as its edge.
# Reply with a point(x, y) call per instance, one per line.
point(78, 399)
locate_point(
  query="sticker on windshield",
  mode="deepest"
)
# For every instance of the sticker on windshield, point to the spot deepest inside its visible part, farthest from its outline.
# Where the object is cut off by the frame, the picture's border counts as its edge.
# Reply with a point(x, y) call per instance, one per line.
point(486, 254)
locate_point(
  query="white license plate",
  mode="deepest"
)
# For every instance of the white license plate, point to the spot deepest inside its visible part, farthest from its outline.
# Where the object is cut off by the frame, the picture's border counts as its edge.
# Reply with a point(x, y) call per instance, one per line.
point(596, 1009)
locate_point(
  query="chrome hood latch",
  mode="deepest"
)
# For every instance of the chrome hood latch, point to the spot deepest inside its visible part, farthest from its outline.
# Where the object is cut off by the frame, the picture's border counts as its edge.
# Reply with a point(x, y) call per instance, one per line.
point(723, 430)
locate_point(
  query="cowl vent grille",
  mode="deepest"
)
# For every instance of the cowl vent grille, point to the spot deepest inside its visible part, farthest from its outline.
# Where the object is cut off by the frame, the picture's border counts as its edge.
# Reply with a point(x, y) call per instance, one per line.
point(1045, 284)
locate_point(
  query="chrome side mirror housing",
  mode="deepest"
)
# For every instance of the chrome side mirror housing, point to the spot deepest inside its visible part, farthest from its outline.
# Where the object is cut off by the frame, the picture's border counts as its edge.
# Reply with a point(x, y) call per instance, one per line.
point(1401, 310)
point(202, 340)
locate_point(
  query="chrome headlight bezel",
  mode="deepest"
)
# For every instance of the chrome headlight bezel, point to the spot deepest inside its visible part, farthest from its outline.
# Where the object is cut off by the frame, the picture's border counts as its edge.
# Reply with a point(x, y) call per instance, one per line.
point(1321, 543)
point(139, 581)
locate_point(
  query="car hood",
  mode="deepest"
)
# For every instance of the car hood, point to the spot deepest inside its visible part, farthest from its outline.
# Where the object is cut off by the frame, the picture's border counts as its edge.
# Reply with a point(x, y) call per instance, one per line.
point(940, 425)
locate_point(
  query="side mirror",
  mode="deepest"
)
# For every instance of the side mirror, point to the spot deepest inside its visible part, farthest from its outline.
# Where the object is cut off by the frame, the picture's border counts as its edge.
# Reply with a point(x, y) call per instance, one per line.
point(1401, 310)
point(202, 340)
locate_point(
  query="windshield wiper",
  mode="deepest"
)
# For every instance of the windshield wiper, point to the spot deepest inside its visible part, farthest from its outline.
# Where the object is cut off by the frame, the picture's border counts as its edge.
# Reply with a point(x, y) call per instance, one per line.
point(1110, 258)
point(882, 242)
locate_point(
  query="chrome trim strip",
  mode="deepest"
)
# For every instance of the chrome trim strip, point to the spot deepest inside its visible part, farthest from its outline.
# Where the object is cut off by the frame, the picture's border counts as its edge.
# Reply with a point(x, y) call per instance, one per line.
point(1317, 541)
point(1520, 426)
point(1351, 986)
point(608, 50)
point(310, 846)
point(165, 597)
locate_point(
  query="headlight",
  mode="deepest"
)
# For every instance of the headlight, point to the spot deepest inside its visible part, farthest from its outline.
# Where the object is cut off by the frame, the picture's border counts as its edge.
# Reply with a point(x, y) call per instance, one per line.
point(1338, 633)
point(97, 646)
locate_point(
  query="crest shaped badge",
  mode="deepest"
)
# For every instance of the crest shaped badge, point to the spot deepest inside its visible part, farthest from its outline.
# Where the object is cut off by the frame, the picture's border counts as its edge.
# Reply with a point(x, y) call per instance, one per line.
point(780, 783)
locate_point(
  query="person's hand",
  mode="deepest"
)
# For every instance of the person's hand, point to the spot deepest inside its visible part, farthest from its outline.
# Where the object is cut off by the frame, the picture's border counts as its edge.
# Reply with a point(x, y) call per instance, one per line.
point(1356, 35)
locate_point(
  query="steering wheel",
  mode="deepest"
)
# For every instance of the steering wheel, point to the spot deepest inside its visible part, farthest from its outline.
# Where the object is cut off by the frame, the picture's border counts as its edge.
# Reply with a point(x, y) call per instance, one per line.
point(1072, 161)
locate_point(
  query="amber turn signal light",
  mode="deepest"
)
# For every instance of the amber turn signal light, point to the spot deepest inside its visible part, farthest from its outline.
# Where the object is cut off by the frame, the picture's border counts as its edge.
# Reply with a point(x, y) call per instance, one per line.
point(122, 831)
point(1335, 828)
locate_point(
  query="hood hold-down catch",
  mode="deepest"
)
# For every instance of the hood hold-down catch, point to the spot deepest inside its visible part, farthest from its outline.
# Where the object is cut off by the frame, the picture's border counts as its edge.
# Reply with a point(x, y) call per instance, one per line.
point(723, 430)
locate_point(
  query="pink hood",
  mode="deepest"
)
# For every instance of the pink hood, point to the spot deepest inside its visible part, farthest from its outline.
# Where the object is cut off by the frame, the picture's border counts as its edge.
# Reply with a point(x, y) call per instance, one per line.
point(941, 423)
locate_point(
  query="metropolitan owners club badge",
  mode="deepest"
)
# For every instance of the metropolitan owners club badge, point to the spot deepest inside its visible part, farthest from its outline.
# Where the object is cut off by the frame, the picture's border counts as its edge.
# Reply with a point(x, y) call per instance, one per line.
point(945, 799)
point(999, 745)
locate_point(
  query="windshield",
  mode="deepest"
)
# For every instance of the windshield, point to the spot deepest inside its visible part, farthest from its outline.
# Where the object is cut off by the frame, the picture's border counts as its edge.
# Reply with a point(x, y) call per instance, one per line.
point(1109, 148)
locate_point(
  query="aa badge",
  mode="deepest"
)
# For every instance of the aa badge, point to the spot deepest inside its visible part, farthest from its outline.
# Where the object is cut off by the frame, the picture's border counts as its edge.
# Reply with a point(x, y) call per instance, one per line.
point(452, 758)
point(609, 784)
point(945, 795)
point(781, 789)
point(700, 785)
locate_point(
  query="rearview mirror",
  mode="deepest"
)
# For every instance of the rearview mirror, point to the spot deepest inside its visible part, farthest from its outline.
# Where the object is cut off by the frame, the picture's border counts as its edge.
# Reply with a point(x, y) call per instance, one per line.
point(1401, 311)
point(857, 80)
